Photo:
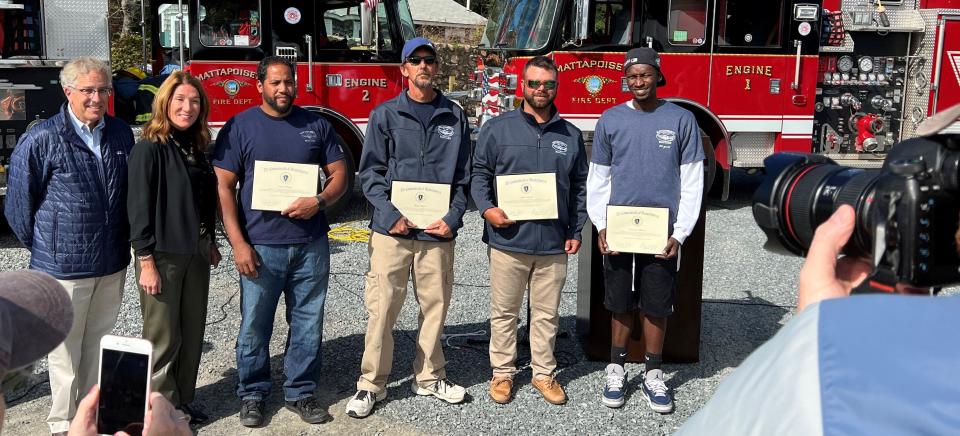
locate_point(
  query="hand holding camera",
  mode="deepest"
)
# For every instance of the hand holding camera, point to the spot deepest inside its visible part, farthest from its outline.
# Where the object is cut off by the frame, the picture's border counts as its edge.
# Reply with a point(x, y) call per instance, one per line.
point(906, 213)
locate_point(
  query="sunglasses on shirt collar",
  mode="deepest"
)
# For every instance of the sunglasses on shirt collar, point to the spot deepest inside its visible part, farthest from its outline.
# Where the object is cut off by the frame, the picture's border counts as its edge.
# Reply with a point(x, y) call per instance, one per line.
point(415, 60)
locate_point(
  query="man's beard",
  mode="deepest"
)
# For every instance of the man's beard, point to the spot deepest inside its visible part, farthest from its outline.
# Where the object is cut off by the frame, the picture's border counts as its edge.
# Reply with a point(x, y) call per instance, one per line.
point(422, 82)
point(272, 102)
point(531, 101)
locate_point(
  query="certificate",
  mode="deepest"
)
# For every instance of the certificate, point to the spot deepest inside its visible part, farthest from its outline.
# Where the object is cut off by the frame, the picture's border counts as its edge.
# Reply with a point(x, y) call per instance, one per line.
point(421, 203)
point(528, 196)
point(633, 229)
point(277, 184)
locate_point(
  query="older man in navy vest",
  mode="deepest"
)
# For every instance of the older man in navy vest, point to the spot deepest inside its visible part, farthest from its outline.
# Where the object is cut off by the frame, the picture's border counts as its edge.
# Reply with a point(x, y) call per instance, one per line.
point(66, 202)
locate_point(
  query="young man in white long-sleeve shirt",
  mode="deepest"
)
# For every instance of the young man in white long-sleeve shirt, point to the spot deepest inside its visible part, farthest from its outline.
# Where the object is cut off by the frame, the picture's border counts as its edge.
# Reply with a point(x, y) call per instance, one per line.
point(646, 152)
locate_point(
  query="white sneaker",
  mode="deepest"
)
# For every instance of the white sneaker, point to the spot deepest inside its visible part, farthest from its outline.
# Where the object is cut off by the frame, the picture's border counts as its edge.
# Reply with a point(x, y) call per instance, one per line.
point(656, 392)
point(615, 388)
point(362, 403)
point(442, 389)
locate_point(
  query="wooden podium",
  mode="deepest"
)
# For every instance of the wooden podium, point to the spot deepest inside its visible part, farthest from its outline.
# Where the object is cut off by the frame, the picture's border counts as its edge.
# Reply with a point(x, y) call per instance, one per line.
point(682, 342)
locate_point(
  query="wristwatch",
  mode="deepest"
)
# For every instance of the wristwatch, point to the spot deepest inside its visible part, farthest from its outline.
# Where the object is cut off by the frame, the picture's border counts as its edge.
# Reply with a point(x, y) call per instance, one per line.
point(321, 203)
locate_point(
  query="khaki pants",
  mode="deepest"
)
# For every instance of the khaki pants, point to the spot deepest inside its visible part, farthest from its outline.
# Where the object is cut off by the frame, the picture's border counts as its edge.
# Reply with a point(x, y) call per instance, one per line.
point(174, 321)
point(391, 261)
point(75, 364)
point(510, 274)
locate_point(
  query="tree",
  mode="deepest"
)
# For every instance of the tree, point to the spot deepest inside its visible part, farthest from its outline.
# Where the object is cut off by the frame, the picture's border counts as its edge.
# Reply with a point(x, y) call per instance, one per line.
point(126, 46)
point(131, 16)
point(481, 7)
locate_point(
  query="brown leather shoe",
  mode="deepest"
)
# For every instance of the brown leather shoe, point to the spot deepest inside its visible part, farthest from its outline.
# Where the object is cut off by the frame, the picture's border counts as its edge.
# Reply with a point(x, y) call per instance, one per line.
point(550, 389)
point(500, 389)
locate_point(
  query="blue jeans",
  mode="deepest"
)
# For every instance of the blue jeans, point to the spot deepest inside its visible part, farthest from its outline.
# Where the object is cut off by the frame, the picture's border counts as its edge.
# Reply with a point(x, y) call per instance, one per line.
point(300, 272)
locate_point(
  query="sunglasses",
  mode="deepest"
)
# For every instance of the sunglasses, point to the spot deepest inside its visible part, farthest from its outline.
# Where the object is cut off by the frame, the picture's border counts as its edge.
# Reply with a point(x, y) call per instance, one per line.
point(548, 84)
point(415, 60)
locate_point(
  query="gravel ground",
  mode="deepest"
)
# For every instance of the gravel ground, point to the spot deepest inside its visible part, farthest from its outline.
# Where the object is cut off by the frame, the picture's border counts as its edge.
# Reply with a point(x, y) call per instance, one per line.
point(748, 294)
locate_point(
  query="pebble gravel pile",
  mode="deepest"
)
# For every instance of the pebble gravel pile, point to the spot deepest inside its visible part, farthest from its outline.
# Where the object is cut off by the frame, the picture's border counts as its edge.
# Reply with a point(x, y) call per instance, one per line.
point(748, 293)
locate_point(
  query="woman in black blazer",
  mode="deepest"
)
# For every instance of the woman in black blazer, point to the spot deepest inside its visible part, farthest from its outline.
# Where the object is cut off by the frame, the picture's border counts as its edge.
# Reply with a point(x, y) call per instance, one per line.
point(172, 207)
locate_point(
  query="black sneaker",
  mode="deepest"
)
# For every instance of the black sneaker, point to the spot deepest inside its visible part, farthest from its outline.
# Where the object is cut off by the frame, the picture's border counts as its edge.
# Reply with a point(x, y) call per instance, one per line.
point(251, 413)
point(196, 416)
point(309, 410)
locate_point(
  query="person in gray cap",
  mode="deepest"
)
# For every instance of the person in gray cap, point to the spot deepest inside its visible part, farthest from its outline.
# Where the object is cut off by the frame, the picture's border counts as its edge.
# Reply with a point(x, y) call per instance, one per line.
point(418, 136)
point(646, 152)
point(35, 317)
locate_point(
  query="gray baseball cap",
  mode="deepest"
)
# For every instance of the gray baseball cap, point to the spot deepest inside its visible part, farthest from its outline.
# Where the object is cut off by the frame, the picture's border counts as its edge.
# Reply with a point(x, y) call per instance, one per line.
point(35, 316)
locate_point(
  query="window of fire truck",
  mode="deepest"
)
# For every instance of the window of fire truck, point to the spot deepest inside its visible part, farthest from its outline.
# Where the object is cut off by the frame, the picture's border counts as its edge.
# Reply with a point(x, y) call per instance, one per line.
point(520, 24)
point(611, 22)
point(230, 23)
point(341, 28)
point(170, 25)
point(749, 23)
point(687, 22)
point(406, 21)
point(20, 33)
point(610, 25)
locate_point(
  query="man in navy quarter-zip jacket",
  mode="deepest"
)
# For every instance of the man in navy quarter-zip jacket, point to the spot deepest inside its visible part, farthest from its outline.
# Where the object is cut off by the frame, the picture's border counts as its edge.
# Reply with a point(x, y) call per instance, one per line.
point(418, 136)
point(532, 139)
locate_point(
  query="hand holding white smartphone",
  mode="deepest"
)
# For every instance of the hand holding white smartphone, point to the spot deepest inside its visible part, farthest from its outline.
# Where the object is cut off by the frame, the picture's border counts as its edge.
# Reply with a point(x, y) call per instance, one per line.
point(125, 367)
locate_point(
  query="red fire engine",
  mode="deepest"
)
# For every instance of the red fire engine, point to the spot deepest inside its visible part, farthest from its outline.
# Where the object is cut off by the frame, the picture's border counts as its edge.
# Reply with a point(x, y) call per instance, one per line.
point(844, 78)
point(347, 54)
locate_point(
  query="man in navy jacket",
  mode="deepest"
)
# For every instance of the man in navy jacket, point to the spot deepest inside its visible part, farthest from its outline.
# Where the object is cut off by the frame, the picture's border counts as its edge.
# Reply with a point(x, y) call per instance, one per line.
point(66, 202)
point(418, 136)
point(531, 253)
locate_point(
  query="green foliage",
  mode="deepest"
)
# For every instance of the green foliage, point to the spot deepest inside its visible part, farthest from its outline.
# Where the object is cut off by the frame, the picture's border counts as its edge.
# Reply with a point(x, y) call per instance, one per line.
point(126, 50)
point(481, 7)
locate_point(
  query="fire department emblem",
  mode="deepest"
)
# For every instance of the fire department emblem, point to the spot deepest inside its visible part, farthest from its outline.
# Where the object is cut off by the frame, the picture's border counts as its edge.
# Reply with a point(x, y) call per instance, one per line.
point(526, 188)
point(285, 177)
point(666, 137)
point(637, 221)
point(419, 197)
point(954, 57)
point(445, 132)
point(594, 84)
point(231, 87)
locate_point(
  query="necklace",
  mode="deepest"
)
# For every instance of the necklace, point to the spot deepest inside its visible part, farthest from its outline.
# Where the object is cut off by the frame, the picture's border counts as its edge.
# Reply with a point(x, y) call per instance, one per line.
point(189, 156)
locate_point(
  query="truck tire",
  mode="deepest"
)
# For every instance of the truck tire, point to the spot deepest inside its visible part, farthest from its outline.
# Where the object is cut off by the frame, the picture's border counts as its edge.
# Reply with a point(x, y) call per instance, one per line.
point(333, 211)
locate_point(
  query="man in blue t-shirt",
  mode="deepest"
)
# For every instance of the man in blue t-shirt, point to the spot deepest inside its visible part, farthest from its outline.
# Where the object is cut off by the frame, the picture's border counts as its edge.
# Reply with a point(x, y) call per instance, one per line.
point(646, 152)
point(279, 252)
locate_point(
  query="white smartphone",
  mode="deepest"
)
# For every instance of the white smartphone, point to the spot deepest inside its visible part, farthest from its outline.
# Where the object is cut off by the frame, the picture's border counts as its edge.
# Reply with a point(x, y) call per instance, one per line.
point(124, 384)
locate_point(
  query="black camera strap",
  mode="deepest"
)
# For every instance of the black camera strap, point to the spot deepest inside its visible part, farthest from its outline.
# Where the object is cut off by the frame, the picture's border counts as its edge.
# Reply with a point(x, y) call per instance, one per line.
point(881, 280)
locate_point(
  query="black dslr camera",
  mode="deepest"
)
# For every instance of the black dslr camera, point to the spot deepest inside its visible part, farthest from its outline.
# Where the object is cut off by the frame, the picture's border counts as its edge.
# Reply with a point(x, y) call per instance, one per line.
point(907, 211)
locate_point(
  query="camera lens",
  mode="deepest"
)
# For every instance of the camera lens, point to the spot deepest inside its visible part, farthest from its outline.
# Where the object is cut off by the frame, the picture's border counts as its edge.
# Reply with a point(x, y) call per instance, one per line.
point(801, 191)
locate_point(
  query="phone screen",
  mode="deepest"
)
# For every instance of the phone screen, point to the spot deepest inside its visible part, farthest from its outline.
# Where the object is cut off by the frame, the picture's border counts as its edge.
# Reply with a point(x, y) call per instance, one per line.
point(123, 390)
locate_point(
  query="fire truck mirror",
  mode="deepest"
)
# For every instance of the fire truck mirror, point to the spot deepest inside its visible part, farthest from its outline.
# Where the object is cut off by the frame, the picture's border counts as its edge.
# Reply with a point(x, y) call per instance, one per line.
point(367, 25)
point(581, 19)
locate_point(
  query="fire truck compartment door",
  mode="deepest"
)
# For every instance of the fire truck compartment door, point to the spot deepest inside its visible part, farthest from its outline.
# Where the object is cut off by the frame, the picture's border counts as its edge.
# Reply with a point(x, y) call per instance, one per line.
point(948, 66)
point(77, 28)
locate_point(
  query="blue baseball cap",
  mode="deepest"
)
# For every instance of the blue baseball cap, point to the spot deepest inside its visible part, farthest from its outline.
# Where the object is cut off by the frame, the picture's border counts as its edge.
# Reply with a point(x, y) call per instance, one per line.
point(415, 43)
